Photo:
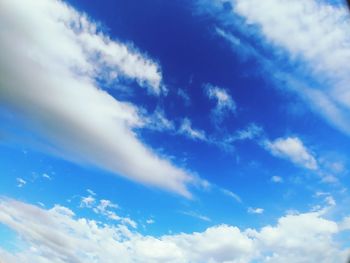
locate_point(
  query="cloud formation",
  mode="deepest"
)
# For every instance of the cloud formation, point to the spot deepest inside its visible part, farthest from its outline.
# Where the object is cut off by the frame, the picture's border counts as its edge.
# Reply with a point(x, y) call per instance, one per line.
point(293, 149)
point(308, 43)
point(49, 75)
point(224, 102)
point(57, 235)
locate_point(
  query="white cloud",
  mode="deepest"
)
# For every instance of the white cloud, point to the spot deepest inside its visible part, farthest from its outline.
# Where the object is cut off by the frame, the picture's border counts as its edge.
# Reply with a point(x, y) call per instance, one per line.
point(49, 74)
point(196, 215)
point(255, 210)
point(276, 179)
point(293, 149)
point(183, 94)
point(150, 221)
point(232, 195)
point(105, 208)
point(186, 129)
point(46, 176)
point(57, 235)
point(90, 192)
point(328, 198)
point(21, 182)
point(87, 201)
point(252, 131)
point(224, 102)
point(158, 121)
point(310, 38)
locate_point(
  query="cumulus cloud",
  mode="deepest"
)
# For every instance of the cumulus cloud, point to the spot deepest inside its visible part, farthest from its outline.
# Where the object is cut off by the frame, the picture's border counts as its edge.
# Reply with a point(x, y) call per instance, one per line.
point(293, 149)
point(49, 75)
point(224, 102)
point(57, 235)
point(311, 39)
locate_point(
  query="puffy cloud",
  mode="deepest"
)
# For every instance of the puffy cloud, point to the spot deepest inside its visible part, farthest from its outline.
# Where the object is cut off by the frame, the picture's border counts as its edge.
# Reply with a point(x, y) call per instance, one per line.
point(57, 235)
point(54, 59)
point(293, 149)
point(300, 238)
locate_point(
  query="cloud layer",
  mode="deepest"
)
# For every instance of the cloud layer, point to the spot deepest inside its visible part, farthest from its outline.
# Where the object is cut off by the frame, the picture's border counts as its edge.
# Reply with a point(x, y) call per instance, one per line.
point(57, 235)
point(49, 75)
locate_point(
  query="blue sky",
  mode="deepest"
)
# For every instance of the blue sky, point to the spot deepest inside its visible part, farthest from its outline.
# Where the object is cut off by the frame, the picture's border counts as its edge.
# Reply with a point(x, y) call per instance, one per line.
point(174, 131)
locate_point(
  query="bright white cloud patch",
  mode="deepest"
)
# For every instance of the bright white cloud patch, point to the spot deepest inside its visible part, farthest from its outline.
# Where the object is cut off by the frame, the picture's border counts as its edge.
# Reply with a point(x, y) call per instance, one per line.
point(293, 149)
point(48, 74)
point(57, 235)
point(224, 102)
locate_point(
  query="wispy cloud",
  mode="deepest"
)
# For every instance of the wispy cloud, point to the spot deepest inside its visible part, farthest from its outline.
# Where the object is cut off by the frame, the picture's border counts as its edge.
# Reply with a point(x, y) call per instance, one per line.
point(231, 194)
point(293, 149)
point(196, 215)
point(224, 104)
point(313, 64)
point(258, 210)
point(54, 87)
point(20, 182)
point(276, 179)
point(187, 130)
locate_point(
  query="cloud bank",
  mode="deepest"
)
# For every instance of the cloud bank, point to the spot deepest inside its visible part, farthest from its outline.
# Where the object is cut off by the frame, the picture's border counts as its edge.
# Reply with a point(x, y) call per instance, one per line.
point(57, 235)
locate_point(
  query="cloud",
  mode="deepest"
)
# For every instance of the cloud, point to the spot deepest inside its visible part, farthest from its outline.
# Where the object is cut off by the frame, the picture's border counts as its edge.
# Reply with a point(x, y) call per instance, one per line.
point(224, 102)
point(150, 221)
point(255, 210)
point(186, 129)
point(21, 182)
point(90, 192)
point(105, 208)
point(252, 131)
point(57, 235)
point(276, 179)
point(183, 94)
point(293, 149)
point(158, 121)
point(232, 195)
point(308, 45)
point(87, 201)
point(55, 57)
point(196, 215)
point(46, 176)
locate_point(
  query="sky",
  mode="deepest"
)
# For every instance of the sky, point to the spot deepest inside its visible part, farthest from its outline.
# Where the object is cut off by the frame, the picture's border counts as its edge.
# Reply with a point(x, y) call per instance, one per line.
point(174, 131)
